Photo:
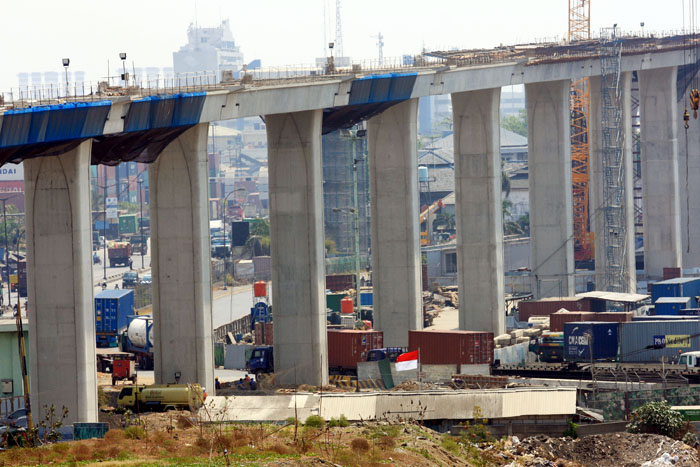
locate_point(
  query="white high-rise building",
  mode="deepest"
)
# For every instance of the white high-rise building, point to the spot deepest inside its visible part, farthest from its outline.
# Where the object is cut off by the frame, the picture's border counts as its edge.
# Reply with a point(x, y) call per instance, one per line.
point(210, 50)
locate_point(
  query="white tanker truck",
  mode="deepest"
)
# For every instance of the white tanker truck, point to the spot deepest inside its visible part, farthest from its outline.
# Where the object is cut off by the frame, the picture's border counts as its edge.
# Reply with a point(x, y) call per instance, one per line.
point(138, 340)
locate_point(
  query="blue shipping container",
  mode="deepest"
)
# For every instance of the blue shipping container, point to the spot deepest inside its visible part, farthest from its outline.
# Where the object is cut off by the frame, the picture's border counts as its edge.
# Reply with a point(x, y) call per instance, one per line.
point(112, 307)
point(678, 287)
point(366, 299)
point(671, 305)
point(580, 338)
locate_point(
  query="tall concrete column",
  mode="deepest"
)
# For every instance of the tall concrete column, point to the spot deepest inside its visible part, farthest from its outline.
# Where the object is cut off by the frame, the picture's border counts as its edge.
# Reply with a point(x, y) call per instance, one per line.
point(396, 275)
point(595, 210)
point(59, 279)
point(180, 258)
point(662, 227)
point(479, 210)
point(551, 208)
point(688, 175)
point(296, 244)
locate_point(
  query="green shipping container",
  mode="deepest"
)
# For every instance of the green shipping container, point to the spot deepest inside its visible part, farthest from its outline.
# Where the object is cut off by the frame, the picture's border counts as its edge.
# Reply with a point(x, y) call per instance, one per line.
point(689, 412)
point(219, 353)
point(333, 301)
point(127, 224)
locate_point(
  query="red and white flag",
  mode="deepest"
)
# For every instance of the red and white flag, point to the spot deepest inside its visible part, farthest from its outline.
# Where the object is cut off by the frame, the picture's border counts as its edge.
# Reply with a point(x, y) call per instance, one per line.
point(407, 361)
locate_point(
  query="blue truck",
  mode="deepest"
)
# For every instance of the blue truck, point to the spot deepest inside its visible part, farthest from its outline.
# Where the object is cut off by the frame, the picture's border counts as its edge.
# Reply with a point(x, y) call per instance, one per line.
point(112, 307)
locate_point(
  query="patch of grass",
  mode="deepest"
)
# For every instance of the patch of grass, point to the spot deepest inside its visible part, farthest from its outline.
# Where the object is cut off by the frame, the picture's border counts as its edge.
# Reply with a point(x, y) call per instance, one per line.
point(449, 444)
point(360, 445)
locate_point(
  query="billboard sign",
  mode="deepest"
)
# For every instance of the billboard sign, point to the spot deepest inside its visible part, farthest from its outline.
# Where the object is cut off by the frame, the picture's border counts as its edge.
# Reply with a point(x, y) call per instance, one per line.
point(112, 205)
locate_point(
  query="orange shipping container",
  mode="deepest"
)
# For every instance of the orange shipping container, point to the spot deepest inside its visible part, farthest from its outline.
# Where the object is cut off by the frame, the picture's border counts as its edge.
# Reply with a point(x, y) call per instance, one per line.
point(557, 320)
point(547, 306)
point(452, 347)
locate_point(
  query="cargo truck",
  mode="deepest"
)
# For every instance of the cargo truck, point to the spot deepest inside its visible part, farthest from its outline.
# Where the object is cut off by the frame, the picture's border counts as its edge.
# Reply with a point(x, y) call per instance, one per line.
point(119, 254)
point(161, 397)
point(139, 244)
point(138, 340)
point(112, 307)
point(346, 347)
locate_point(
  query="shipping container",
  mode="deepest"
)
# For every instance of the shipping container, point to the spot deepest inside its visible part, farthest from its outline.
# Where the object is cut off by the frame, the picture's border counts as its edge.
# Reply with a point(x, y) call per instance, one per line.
point(664, 318)
point(346, 347)
point(548, 306)
point(557, 320)
point(678, 287)
point(263, 334)
point(340, 282)
point(649, 341)
point(671, 305)
point(614, 316)
point(452, 347)
point(591, 340)
point(366, 299)
point(112, 307)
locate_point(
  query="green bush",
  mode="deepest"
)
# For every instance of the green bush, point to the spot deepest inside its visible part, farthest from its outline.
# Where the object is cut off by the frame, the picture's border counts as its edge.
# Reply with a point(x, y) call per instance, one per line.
point(571, 431)
point(342, 422)
point(657, 418)
point(314, 421)
point(134, 432)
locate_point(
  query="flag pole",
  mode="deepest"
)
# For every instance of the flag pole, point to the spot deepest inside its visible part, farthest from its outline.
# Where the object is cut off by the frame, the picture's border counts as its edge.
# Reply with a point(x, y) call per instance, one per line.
point(420, 380)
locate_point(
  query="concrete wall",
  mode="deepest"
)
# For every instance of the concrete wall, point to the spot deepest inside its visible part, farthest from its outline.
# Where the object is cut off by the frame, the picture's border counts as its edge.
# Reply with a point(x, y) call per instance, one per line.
point(296, 244)
point(395, 238)
point(479, 210)
point(59, 278)
point(662, 229)
point(180, 256)
point(688, 175)
point(551, 209)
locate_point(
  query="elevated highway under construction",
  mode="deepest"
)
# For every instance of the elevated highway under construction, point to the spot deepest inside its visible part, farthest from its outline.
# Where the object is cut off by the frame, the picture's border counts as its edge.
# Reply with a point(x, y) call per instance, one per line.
point(58, 140)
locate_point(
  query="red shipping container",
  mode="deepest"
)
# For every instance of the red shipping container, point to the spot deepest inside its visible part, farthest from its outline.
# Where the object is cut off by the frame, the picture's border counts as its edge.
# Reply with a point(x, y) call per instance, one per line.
point(671, 273)
point(346, 347)
point(547, 306)
point(267, 338)
point(614, 316)
point(557, 320)
point(340, 282)
point(452, 347)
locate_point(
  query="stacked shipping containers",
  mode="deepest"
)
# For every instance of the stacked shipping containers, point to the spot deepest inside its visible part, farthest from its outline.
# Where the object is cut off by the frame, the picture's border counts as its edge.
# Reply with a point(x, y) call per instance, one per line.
point(548, 306)
point(557, 320)
point(671, 305)
point(678, 287)
point(452, 347)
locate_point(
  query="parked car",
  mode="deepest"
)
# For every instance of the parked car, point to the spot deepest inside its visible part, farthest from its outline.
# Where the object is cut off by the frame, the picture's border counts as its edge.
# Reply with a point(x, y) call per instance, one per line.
point(147, 279)
point(130, 279)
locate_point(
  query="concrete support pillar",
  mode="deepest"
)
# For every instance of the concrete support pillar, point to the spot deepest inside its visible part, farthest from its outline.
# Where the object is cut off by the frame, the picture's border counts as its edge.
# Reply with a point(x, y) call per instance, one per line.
point(595, 209)
point(396, 260)
point(180, 260)
point(296, 243)
point(479, 210)
point(551, 209)
point(688, 174)
point(659, 124)
point(59, 278)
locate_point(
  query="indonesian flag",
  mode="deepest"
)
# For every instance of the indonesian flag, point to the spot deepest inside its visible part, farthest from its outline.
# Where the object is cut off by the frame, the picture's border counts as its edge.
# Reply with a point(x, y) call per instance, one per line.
point(407, 361)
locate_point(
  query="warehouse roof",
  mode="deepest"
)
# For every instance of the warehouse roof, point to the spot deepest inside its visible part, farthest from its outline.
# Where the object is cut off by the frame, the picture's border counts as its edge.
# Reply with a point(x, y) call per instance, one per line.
point(614, 296)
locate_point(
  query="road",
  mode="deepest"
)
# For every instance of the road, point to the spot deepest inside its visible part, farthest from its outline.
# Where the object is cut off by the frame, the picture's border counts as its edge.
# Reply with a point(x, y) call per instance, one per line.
point(231, 304)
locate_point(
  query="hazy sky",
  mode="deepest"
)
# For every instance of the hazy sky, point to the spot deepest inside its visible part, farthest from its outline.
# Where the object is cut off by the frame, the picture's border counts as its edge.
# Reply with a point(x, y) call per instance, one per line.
point(36, 34)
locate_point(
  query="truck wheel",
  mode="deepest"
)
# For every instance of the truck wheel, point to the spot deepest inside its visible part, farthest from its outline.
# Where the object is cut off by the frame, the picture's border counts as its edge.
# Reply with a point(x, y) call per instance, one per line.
point(114, 381)
point(260, 375)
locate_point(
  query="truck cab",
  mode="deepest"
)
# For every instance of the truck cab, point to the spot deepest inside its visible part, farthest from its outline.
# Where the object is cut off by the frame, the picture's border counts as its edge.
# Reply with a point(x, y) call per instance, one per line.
point(261, 360)
point(690, 359)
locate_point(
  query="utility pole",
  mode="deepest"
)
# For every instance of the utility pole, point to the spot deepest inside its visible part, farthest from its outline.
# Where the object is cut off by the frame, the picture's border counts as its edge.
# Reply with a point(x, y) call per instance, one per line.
point(104, 226)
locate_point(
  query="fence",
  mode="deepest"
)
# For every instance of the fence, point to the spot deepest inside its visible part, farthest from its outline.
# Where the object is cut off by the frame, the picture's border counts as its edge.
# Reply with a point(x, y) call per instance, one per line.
point(240, 326)
point(10, 404)
point(618, 405)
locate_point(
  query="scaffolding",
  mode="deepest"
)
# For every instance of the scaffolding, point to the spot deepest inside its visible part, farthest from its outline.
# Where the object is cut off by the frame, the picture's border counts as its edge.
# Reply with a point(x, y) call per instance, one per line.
point(339, 203)
point(579, 20)
point(615, 222)
point(580, 170)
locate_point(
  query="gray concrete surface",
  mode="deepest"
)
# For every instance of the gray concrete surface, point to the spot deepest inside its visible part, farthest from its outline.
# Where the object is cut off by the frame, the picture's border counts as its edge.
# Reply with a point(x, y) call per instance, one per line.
point(659, 133)
point(596, 205)
point(181, 260)
point(393, 167)
point(61, 329)
point(551, 215)
point(296, 240)
point(478, 210)
point(688, 175)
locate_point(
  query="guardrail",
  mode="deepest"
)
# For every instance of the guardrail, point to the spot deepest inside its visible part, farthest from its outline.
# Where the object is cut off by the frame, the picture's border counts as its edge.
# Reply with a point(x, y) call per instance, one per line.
point(239, 326)
point(10, 404)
